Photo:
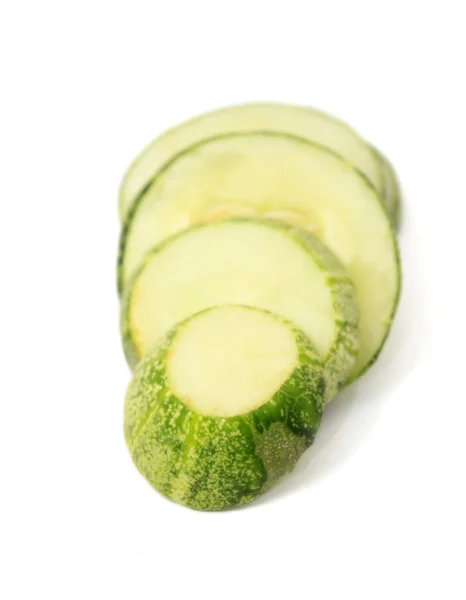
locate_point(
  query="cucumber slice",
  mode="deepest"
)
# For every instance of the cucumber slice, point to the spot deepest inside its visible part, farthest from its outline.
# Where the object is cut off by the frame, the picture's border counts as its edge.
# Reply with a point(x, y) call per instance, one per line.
point(224, 406)
point(280, 176)
point(296, 120)
point(267, 264)
point(391, 194)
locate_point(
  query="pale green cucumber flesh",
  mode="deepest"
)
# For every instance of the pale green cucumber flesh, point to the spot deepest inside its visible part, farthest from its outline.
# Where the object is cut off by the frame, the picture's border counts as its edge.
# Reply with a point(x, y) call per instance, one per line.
point(259, 263)
point(301, 121)
point(207, 462)
point(230, 361)
point(288, 178)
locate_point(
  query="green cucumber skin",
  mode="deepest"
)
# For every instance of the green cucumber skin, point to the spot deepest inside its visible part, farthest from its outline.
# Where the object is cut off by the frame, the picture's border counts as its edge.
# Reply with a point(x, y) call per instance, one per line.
point(126, 227)
point(344, 350)
point(125, 206)
point(209, 463)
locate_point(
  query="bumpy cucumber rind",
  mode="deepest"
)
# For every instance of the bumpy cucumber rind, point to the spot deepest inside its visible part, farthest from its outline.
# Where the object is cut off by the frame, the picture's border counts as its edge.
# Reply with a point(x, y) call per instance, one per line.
point(209, 463)
point(343, 353)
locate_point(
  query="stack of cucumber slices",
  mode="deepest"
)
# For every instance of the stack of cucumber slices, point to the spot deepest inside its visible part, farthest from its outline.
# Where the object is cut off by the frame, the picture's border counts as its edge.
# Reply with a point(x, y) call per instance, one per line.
point(259, 274)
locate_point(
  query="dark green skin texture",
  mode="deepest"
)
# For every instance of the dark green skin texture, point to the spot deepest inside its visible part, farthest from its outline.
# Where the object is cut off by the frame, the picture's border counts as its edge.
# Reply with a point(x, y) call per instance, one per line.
point(211, 463)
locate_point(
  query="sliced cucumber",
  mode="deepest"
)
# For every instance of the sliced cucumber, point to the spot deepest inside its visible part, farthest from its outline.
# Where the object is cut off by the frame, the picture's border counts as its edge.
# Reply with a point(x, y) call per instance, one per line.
point(224, 406)
point(297, 120)
point(391, 194)
point(255, 263)
point(284, 177)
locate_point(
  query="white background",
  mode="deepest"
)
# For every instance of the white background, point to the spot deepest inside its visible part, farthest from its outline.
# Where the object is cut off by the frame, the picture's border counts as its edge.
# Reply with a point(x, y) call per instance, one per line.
point(375, 509)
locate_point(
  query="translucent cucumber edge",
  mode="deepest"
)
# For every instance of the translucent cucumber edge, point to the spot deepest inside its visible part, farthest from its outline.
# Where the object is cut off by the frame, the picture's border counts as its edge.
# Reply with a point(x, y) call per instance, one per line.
point(392, 197)
point(396, 303)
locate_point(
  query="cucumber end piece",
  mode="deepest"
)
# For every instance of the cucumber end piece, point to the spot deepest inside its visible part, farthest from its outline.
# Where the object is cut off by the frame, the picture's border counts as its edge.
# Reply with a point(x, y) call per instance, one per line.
point(209, 447)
